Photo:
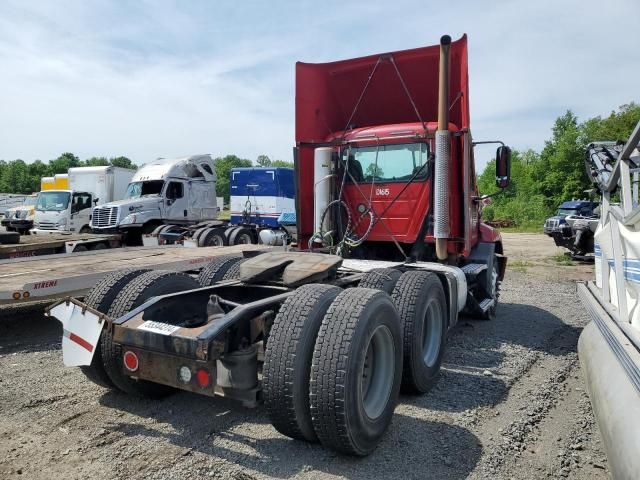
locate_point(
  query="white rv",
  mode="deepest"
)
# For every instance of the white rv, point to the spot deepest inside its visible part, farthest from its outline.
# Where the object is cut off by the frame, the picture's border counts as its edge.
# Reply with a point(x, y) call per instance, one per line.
point(69, 210)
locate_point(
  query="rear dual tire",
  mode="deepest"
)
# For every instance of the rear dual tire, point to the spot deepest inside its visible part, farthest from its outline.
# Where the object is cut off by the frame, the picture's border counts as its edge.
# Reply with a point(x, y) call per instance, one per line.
point(333, 367)
point(421, 302)
point(356, 371)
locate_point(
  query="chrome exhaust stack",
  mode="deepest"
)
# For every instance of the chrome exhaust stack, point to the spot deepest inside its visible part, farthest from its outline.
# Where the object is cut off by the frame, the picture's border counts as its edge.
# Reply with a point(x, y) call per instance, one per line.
point(443, 154)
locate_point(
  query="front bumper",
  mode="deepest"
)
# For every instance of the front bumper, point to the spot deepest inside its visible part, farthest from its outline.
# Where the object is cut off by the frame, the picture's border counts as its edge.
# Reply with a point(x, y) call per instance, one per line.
point(21, 224)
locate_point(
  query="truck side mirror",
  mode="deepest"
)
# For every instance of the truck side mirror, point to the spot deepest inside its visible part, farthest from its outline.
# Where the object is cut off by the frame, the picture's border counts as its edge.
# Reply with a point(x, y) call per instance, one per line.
point(503, 166)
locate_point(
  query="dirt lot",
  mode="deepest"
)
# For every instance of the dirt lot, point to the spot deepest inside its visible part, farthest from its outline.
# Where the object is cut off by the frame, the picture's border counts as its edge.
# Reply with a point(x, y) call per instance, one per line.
point(510, 404)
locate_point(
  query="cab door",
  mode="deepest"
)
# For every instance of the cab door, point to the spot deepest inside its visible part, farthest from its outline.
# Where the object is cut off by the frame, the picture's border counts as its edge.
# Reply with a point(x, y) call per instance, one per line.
point(176, 205)
point(81, 206)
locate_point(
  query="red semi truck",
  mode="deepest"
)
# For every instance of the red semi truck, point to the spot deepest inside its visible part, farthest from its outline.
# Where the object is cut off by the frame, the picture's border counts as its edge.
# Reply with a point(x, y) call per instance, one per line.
point(391, 250)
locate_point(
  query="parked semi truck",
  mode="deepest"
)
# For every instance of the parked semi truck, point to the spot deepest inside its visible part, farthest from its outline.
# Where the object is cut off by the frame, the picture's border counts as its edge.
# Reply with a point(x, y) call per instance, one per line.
point(391, 250)
point(609, 346)
point(173, 200)
point(69, 210)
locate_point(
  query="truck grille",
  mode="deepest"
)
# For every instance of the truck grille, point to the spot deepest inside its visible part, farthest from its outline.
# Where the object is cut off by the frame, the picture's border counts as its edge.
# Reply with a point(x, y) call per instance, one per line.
point(47, 226)
point(104, 217)
point(551, 224)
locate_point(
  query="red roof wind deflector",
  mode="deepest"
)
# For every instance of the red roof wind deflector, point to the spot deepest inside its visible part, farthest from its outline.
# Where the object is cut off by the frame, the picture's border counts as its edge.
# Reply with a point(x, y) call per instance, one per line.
point(327, 93)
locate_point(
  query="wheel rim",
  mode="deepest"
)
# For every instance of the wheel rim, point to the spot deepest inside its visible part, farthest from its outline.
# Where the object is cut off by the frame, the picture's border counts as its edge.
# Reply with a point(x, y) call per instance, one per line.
point(376, 377)
point(432, 334)
point(217, 241)
point(244, 239)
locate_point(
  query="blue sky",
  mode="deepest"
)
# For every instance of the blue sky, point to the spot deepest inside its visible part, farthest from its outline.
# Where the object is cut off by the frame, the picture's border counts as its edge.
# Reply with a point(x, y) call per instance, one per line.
point(161, 78)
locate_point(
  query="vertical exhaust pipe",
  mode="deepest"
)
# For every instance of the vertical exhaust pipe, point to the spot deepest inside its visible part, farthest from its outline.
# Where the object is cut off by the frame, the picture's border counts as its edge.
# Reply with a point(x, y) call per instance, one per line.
point(443, 155)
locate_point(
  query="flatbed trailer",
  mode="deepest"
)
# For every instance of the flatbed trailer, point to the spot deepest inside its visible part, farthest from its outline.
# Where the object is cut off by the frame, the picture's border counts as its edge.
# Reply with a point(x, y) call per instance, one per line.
point(49, 244)
point(50, 277)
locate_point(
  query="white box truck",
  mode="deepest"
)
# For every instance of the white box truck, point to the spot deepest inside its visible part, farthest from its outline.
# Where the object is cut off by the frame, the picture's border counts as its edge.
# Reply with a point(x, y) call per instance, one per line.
point(70, 210)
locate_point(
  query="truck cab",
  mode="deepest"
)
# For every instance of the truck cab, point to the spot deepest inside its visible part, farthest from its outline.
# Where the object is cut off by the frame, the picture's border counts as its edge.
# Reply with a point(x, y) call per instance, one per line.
point(63, 211)
point(69, 210)
point(167, 191)
point(582, 208)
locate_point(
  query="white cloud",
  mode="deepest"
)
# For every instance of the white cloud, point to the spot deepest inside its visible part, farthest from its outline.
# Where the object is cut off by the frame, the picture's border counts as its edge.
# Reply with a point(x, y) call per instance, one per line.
point(163, 78)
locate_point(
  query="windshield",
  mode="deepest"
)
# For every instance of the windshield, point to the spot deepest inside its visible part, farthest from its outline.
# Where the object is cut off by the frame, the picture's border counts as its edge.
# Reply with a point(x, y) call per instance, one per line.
point(567, 211)
point(53, 201)
point(388, 163)
point(142, 189)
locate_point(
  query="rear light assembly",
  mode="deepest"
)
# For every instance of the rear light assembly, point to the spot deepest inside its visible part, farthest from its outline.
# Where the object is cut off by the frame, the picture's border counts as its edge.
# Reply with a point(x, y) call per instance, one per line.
point(203, 378)
point(131, 362)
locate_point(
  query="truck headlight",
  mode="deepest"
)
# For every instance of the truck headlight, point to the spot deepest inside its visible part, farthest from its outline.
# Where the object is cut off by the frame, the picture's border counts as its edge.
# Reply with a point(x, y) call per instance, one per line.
point(128, 220)
point(36, 224)
point(62, 222)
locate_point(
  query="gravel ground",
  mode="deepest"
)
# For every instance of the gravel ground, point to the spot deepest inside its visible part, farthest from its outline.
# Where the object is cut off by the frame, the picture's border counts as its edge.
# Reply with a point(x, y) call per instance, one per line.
point(510, 403)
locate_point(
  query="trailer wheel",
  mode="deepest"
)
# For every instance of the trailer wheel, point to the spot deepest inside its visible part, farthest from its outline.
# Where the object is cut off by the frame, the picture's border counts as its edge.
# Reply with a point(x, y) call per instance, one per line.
point(80, 248)
point(133, 294)
point(241, 236)
point(100, 246)
point(9, 238)
point(100, 297)
point(356, 371)
point(421, 302)
point(216, 270)
point(381, 279)
point(213, 237)
point(287, 361)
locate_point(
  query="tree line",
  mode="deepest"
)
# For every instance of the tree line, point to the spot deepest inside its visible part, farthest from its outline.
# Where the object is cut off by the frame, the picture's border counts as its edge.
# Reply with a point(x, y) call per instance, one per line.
point(541, 181)
point(18, 176)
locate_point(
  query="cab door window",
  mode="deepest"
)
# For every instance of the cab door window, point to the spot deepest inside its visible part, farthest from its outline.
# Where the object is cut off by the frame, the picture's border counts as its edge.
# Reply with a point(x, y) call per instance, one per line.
point(175, 190)
point(80, 201)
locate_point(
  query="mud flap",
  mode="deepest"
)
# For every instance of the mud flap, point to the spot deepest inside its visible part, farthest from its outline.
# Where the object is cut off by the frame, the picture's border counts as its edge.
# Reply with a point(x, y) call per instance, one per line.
point(80, 332)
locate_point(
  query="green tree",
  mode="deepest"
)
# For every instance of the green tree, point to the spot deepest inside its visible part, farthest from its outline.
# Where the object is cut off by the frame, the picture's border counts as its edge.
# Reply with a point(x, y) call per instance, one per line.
point(96, 162)
point(123, 162)
point(281, 163)
point(263, 161)
point(223, 173)
point(63, 163)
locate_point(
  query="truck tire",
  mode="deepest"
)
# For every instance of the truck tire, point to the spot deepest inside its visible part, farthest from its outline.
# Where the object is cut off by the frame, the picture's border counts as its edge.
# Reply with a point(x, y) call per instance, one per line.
point(421, 302)
point(9, 238)
point(491, 285)
point(241, 236)
point(215, 270)
point(213, 237)
point(356, 371)
point(234, 271)
point(228, 232)
point(100, 298)
point(381, 279)
point(287, 361)
point(196, 234)
point(133, 294)
point(157, 230)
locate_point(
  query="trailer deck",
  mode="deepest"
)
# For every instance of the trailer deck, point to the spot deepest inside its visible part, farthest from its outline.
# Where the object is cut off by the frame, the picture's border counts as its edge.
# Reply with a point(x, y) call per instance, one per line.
point(48, 277)
point(49, 244)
